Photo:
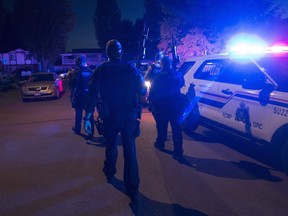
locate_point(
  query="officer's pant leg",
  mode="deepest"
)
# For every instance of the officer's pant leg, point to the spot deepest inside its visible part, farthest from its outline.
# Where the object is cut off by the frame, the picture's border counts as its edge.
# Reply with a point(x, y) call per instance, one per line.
point(162, 126)
point(111, 153)
point(78, 118)
point(177, 135)
point(131, 173)
point(92, 123)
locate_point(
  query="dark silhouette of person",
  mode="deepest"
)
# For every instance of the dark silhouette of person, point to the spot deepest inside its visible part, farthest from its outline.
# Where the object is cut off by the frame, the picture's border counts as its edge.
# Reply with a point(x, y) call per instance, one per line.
point(118, 84)
point(80, 93)
point(154, 69)
point(166, 100)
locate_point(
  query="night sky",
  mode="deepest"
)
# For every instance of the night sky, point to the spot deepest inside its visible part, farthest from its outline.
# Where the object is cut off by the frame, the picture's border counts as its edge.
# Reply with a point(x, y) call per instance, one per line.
point(83, 35)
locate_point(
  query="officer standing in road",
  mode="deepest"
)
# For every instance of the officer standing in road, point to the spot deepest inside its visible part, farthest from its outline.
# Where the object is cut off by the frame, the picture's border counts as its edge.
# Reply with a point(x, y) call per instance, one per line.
point(79, 95)
point(118, 84)
point(154, 69)
point(166, 99)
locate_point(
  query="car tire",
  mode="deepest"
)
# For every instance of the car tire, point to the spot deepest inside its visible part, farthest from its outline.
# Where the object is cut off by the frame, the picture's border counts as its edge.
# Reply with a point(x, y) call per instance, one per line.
point(192, 121)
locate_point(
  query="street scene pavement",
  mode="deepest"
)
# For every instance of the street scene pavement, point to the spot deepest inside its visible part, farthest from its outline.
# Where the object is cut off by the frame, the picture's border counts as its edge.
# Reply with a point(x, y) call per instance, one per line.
point(46, 169)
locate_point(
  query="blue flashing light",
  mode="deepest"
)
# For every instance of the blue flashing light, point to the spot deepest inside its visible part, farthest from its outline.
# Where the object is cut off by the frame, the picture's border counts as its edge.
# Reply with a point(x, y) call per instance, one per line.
point(246, 44)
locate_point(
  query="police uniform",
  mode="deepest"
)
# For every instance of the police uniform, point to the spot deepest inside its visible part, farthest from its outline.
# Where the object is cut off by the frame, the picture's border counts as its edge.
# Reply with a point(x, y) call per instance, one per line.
point(80, 92)
point(119, 84)
point(152, 72)
point(166, 99)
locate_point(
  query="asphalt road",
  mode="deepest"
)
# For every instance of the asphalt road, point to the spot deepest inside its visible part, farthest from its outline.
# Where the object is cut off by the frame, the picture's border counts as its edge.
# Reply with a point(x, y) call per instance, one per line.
point(45, 169)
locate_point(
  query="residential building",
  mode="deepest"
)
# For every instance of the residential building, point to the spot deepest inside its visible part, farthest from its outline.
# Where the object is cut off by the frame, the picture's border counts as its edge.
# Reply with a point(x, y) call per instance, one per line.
point(18, 60)
point(94, 57)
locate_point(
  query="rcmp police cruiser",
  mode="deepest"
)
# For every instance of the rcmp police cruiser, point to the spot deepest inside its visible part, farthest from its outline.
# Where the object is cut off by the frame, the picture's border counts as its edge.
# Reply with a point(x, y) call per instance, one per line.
point(244, 94)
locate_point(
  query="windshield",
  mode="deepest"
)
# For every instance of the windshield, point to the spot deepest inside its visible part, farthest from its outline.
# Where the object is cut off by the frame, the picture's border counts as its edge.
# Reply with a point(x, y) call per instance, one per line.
point(41, 77)
point(277, 68)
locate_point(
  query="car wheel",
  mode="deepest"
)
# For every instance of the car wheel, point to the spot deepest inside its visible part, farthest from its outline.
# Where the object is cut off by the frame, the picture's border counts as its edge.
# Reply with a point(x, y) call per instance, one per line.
point(284, 156)
point(192, 121)
point(24, 100)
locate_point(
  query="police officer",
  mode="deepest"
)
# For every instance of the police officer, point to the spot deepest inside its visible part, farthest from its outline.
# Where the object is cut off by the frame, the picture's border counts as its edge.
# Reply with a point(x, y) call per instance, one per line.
point(71, 75)
point(154, 69)
point(166, 99)
point(79, 93)
point(118, 84)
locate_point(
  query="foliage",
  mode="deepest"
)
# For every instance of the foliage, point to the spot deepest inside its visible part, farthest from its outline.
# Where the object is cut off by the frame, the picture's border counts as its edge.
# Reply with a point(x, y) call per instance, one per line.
point(152, 18)
point(43, 26)
point(129, 36)
point(7, 30)
point(108, 25)
point(203, 26)
point(107, 21)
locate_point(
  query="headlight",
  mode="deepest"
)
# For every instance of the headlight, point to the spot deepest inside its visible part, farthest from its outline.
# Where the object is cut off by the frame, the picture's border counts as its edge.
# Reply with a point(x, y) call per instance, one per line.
point(148, 84)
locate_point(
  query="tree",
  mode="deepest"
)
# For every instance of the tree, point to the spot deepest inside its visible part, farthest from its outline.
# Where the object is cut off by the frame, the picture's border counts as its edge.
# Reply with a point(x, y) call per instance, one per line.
point(107, 21)
point(152, 18)
point(7, 30)
point(108, 25)
point(129, 37)
point(203, 26)
point(43, 26)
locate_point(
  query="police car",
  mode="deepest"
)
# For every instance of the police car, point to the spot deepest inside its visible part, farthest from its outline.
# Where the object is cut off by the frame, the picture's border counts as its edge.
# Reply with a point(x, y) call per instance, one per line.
point(243, 92)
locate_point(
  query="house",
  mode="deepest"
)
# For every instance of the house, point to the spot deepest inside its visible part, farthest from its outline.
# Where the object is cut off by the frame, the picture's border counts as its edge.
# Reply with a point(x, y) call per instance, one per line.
point(25, 62)
point(94, 57)
point(18, 60)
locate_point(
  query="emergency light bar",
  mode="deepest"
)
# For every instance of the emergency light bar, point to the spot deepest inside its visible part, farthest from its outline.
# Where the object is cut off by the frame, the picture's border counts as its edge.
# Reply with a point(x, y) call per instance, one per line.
point(248, 44)
point(254, 49)
point(277, 49)
point(244, 48)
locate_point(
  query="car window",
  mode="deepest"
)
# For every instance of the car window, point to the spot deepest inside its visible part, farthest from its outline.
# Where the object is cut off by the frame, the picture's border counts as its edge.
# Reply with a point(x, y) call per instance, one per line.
point(229, 71)
point(42, 77)
point(236, 72)
point(210, 70)
point(185, 67)
point(277, 68)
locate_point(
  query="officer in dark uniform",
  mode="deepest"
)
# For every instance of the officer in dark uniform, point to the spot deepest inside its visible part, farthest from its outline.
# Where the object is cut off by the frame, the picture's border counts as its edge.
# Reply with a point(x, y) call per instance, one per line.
point(166, 99)
point(154, 69)
point(79, 94)
point(118, 84)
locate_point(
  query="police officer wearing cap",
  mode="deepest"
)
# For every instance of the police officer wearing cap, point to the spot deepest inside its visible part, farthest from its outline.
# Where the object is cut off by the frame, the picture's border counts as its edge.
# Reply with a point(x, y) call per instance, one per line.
point(166, 99)
point(79, 93)
point(118, 84)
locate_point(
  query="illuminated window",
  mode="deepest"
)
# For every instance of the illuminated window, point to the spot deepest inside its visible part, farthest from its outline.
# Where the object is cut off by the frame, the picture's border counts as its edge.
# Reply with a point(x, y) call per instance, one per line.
point(12, 56)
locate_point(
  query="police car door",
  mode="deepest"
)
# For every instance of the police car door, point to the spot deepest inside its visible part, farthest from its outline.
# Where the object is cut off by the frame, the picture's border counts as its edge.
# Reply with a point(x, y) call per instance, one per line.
point(242, 110)
point(206, 89)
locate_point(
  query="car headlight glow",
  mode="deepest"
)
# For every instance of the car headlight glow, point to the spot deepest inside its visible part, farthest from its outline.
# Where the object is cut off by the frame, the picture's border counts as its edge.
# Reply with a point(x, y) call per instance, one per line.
point(148, 84)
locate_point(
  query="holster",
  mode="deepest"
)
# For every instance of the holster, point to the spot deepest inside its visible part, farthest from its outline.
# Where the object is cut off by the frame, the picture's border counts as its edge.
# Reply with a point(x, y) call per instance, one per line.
point(102, 109)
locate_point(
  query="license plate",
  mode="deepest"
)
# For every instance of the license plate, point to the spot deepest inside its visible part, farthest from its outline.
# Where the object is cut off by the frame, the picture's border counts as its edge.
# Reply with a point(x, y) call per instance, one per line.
point(37, 94)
